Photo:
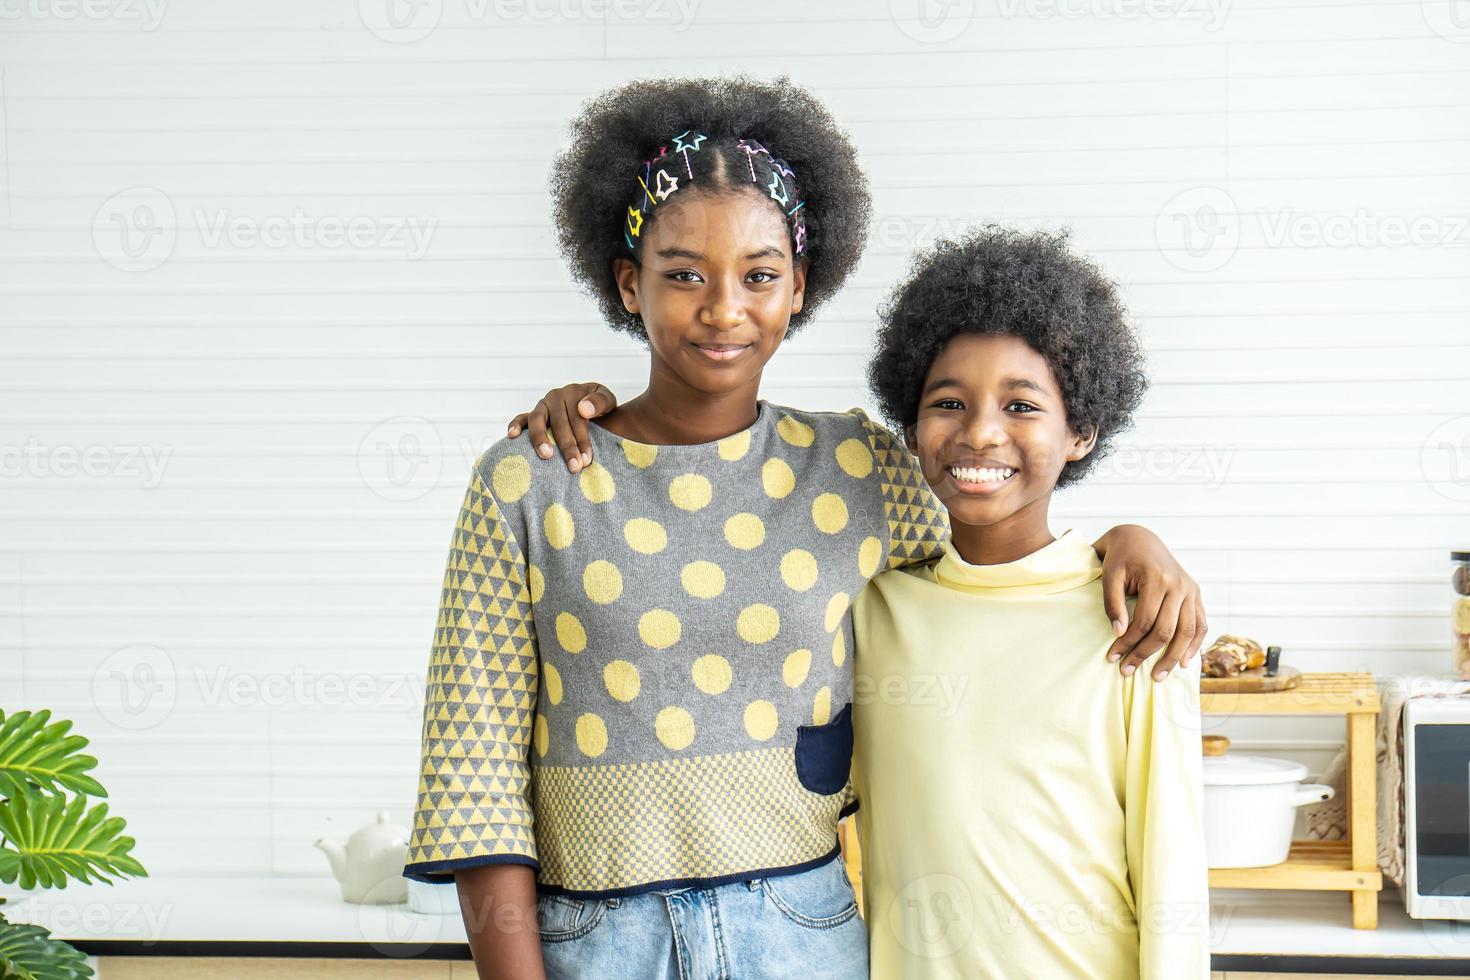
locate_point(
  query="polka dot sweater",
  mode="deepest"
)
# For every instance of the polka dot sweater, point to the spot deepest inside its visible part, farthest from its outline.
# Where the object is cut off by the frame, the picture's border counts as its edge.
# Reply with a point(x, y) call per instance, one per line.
point(641, 673)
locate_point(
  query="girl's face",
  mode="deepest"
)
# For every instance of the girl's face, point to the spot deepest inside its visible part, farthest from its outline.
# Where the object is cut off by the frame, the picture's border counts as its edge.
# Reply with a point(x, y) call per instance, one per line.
point(716, 289)
point(992, 433)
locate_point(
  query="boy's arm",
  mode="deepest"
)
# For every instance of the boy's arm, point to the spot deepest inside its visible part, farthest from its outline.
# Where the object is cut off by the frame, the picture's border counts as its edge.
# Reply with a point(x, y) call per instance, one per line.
point(1170, 611)
point(1164, 825)
point(473, 819)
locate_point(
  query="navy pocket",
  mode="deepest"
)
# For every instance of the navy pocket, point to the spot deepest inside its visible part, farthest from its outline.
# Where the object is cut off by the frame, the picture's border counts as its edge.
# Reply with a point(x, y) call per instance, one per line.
point(824, 753)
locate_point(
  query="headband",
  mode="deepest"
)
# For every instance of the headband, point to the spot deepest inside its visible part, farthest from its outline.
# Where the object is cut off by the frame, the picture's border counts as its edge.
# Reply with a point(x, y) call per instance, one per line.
point(661, 178)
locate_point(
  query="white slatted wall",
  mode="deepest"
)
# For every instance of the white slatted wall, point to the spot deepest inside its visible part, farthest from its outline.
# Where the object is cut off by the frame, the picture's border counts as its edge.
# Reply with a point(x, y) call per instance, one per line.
point(270, 279)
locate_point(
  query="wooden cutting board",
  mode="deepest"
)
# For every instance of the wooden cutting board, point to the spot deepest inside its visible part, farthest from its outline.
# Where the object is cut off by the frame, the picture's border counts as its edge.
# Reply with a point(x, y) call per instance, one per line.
point(1252, 682)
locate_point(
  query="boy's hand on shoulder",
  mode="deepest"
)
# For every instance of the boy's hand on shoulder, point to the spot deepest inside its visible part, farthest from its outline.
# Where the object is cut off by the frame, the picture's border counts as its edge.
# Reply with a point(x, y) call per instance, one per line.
point(1169, 613)
point(565, 411)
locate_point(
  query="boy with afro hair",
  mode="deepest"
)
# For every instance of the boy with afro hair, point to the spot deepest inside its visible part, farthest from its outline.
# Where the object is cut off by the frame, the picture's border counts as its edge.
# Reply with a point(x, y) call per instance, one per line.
point(1046, 820)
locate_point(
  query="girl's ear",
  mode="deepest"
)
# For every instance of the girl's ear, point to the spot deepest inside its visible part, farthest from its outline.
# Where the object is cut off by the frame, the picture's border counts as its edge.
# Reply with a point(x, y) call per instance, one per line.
point(798, 279)
point(625, 273)
point(1081, 445)
point(909, 432)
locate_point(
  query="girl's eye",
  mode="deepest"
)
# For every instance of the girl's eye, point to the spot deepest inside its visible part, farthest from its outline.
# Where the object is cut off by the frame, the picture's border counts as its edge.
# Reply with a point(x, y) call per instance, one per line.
point(765, 277)
point(950, 403)
point(1025, 408)
point(681, 274)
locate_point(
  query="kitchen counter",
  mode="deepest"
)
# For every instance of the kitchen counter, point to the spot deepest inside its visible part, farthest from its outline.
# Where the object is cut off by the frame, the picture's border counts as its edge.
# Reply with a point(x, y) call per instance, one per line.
point(1298, 932)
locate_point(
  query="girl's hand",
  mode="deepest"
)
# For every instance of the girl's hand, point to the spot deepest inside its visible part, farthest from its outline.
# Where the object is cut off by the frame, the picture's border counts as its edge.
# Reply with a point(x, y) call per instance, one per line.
point(566, 410)
point(1169, 613)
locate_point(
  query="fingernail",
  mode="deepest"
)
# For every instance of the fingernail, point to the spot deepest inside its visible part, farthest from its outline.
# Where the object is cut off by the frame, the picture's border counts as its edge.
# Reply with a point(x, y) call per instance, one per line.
point(586, 458)
point(1161, 675)
point(1117, 627)
point(513, 431)
point(1113, 657)
point(1127, 669)
point(584, 406)
point(543, 450)
point(574, 464)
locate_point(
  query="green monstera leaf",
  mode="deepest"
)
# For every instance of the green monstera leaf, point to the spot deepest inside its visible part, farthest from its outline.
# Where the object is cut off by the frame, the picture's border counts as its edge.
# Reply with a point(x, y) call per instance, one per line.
point(48, 839)
point(40, 757)
point(29, 953)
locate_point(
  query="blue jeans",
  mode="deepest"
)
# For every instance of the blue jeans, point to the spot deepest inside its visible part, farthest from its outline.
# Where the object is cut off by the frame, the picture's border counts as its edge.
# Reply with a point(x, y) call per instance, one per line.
point(802, 925)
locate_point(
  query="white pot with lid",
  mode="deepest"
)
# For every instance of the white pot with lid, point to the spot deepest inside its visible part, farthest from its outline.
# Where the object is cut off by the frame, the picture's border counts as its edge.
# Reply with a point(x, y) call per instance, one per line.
point(1250, 806)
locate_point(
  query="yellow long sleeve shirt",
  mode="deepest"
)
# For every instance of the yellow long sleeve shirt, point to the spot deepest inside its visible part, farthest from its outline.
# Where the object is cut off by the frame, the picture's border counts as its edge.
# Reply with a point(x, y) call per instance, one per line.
point(1027, 811)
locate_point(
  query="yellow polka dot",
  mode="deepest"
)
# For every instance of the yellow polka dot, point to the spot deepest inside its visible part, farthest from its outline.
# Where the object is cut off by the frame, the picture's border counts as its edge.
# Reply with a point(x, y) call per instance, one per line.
point(551, 683)
point(591, 735)
point(712, 674)
point(855, 458)
point(797, 666)
point(777, 478)
point(822, 707)
point(794, 432)
point(511, 478)
point(836, 608)
point(758, 623)
point(537, 581)
point(690, 492)
point(760, 720)
point(559, 527)
point(674, 727)
point(541, 735)
point(799, 569)
point(621, 679)
point(659, 628)
point(602, 582)
point(639, 454)
point(597, 483)
point(870, 553)
point(644, 536)
point(839, 648)
point(703, 579)
point(570, 633)
point(830, 513)
point(745, 531)
point(735, 447)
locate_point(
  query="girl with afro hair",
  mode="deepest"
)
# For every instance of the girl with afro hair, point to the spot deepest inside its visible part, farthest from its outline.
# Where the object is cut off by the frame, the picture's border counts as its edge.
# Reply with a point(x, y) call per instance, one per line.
point(637, 732)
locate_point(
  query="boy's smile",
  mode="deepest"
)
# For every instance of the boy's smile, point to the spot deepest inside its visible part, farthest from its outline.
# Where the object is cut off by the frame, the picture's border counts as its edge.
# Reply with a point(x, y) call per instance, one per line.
point(992, 437)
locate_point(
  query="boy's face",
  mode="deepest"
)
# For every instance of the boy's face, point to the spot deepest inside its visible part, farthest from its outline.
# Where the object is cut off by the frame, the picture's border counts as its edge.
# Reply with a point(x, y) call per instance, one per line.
point(992, 433)
point(716, 289)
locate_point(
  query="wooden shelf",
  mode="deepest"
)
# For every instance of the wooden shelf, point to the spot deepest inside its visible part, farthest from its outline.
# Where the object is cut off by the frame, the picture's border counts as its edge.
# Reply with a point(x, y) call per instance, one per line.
point(1348, 865)
point(1314, 865)
point(1318, 694)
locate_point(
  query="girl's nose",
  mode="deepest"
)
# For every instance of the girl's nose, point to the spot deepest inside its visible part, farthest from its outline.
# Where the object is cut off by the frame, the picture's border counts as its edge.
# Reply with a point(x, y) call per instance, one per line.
point(725, 311)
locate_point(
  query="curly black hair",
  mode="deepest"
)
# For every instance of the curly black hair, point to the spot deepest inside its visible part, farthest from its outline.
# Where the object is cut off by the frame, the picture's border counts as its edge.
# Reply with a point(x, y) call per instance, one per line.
point(1004, 281)
point(594, 179)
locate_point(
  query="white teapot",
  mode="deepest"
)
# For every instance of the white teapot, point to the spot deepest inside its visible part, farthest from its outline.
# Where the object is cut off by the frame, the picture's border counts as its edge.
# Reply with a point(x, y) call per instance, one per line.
point(370, 866)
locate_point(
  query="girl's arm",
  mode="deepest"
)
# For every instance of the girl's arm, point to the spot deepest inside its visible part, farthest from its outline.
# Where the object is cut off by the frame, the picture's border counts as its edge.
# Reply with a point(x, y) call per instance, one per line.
point(482, 647)
point(1164, 827)
point(1169, 614)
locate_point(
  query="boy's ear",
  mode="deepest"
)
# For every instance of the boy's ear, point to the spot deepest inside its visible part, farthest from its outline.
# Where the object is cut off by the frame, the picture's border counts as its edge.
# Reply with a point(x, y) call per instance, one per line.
point(625, 273)
point(1081, 445)
point(798, 279)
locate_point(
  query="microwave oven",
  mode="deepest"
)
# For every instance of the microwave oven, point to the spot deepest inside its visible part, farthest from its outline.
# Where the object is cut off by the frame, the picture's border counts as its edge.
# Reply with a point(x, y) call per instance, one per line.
point(1437, 807)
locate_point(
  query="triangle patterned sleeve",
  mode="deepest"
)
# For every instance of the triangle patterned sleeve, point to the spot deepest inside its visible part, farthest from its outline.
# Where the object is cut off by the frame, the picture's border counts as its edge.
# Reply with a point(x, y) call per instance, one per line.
point(474, 792)
point(918, 524)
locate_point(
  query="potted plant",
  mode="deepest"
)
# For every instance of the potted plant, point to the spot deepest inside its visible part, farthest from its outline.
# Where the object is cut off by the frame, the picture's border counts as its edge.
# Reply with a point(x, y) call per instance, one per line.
point(49, 833)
